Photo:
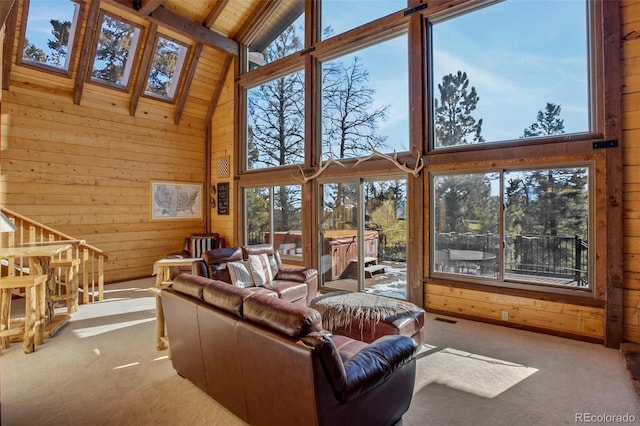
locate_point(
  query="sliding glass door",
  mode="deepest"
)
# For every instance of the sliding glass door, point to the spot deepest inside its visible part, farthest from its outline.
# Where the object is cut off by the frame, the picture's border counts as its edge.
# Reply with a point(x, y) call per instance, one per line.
point(363, 237)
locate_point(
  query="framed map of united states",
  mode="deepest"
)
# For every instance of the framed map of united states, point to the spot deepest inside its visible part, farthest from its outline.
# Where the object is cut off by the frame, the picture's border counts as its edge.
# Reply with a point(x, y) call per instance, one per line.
point(175, 200)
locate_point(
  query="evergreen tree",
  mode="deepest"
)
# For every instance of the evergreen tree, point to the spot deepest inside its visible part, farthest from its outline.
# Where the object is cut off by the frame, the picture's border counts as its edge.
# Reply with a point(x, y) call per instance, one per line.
point(32, 52)
point(548, 122)
point(113, 49)
point(547, 202)
point(163, 67)
point(57, 45)
point(463, 199)
point(60, 42)
point(454, 123)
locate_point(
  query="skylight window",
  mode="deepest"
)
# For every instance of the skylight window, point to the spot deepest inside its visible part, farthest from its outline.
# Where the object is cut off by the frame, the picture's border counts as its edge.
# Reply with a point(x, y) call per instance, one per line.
point(115, 49)
point(167, 65)
point(49, 31)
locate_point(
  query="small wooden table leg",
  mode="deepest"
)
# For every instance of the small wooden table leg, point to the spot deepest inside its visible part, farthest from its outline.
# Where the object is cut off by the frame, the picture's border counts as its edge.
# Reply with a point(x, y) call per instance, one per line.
point(41, 306)
point(28, 341)
point(160, 344)
point(5, 301)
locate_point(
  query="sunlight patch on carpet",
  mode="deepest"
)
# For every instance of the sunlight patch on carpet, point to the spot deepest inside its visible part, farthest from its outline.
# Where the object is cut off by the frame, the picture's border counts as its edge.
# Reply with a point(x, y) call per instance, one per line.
point(468, 372)
point(106, 328)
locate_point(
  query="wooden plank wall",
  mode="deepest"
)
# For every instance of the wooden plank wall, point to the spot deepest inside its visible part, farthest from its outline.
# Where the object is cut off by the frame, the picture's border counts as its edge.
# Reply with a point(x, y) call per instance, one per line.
point(86, 169)
point(631, 157)
point(222, 152)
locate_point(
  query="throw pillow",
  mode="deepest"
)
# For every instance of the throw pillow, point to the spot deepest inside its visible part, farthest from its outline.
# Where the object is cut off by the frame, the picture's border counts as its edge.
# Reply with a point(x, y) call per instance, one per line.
point(239, 273)
point(200, 245)
point(260, 268)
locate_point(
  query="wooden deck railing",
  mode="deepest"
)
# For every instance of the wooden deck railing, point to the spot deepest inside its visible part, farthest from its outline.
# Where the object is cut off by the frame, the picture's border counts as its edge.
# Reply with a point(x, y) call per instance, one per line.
point(90, 258)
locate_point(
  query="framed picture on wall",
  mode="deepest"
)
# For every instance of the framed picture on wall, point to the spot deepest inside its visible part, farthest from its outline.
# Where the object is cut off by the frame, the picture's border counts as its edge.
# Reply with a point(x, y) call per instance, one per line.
point(175, 200)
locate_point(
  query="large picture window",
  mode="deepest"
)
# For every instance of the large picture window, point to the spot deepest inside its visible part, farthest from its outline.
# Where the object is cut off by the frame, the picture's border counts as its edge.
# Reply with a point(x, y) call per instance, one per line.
point(545, 226)
point(275, 123)
point(513, 70)
point(501, 103)
point(365, 102)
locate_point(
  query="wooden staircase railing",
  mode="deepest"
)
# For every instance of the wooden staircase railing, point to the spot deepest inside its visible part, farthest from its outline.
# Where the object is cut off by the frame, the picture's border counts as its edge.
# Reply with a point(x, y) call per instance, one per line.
point(91, 259)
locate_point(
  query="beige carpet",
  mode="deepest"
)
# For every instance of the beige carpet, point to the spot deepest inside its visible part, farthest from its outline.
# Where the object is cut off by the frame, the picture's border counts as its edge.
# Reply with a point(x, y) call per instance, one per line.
point(103, 369)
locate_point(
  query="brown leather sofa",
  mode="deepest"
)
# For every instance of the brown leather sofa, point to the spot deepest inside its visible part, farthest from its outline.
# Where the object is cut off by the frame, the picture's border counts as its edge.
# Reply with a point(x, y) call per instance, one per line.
point(295, 285)
point(270, 363)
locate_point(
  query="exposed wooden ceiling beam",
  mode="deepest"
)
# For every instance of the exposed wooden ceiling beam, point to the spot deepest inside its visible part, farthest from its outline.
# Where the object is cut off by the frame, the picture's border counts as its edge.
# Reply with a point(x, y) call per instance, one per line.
point(85, 54)
point(150, 5)
point(138, 88)
point(9, 37)
point(259, 14)
point(216, 94)
point(182, 100)
point(5, 8)
point(217, 9)
point(195, 31)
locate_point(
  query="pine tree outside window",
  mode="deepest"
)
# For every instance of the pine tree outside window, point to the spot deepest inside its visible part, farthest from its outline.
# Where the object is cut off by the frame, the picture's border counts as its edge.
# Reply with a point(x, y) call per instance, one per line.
point(166, 68)
point(114, 52)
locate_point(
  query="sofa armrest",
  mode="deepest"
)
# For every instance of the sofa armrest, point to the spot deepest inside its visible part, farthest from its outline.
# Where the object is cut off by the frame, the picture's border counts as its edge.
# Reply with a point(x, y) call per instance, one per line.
point(374, 364)
point(300, 275)
point(199, 268)
point(366, 369)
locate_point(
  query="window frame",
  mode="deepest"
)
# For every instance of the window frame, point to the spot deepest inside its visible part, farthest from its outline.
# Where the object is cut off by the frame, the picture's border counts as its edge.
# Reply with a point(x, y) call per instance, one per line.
point(555, 150)
point(270, 18)
point(72, 47)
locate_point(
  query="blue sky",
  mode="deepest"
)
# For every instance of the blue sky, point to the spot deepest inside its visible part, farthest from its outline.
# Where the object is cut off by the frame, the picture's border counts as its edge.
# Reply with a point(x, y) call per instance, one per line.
point(41, 12)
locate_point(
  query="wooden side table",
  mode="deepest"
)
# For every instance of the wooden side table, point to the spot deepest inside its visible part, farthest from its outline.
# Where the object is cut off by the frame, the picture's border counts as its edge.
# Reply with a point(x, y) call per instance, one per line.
point(162, 271)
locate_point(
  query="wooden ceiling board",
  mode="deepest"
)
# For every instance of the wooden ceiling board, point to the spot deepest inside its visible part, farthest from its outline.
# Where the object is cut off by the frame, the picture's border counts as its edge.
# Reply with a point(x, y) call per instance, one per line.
point(195, 10)
point(204, 82)
point(234, 15)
